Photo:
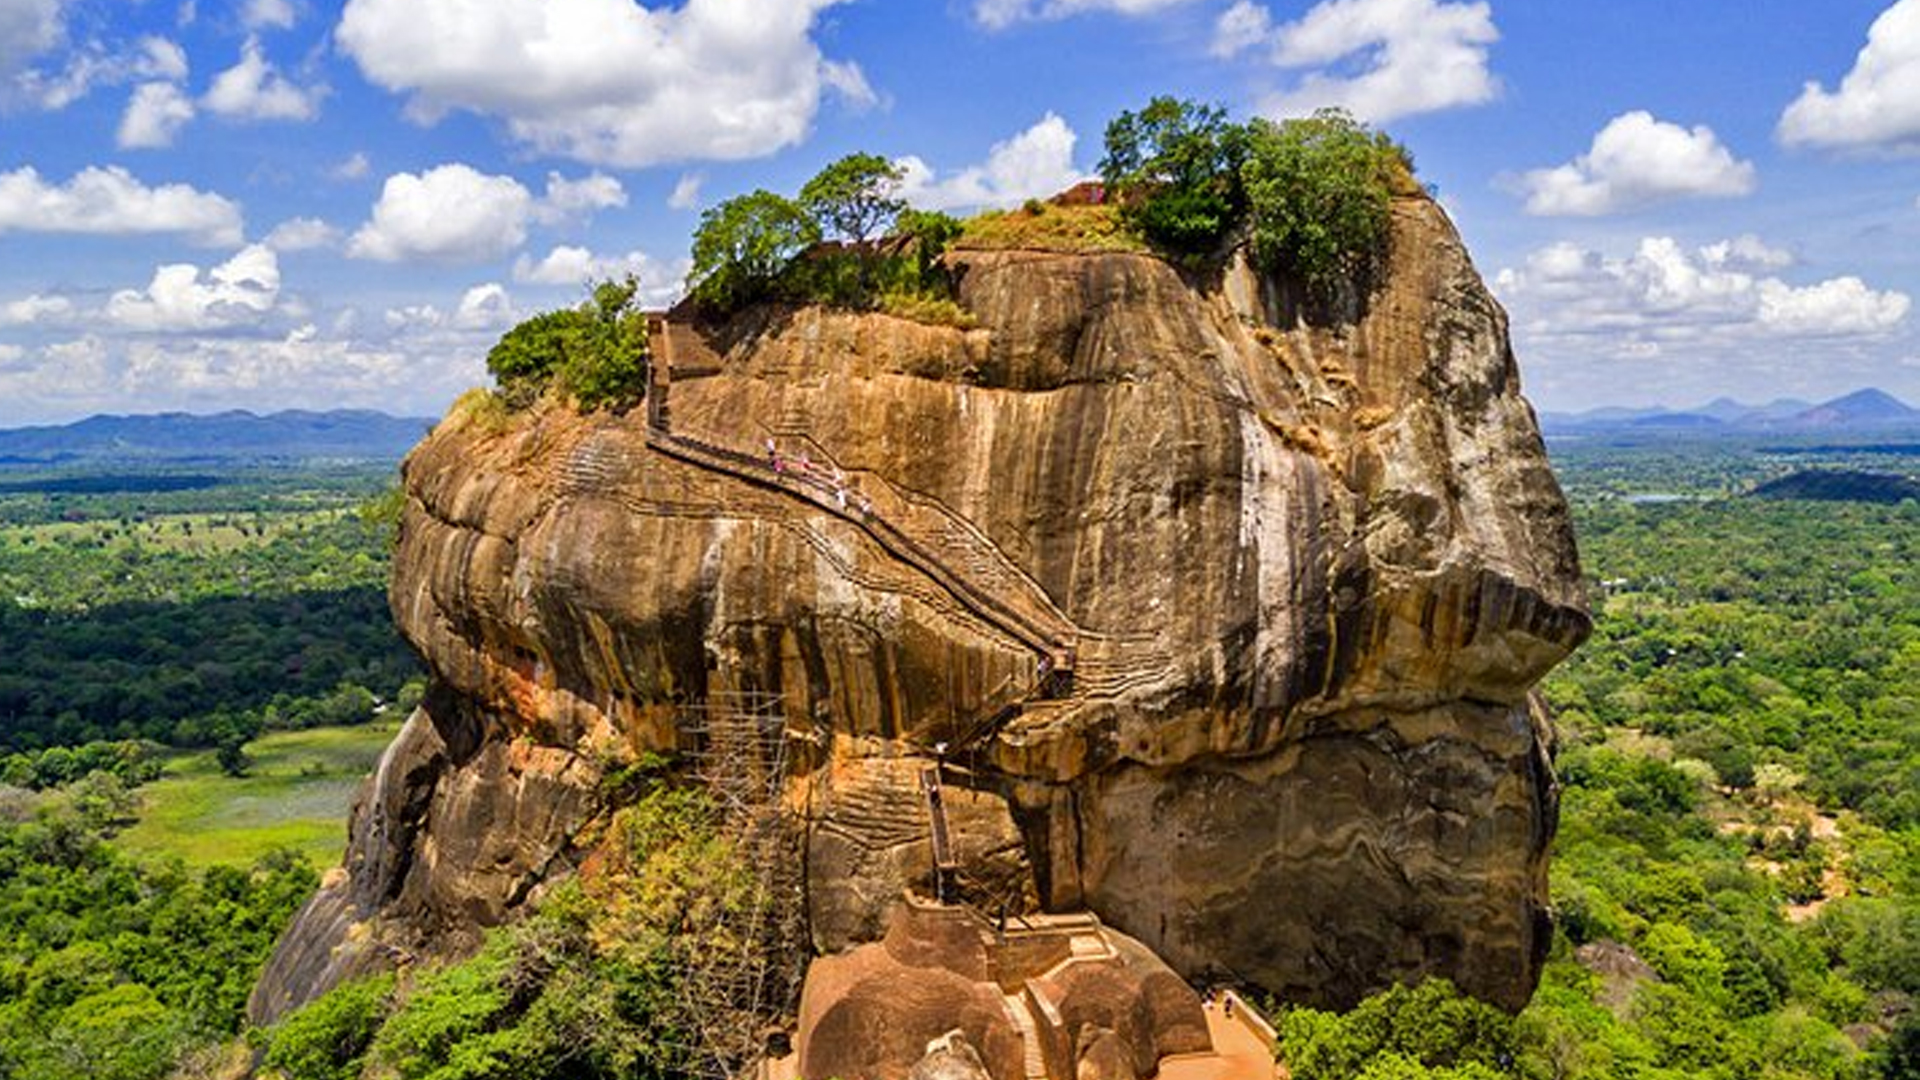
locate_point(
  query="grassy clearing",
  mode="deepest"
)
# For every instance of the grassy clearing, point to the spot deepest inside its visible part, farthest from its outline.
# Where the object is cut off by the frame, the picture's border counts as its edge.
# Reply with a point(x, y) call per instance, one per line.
point(296, 794)
point(1050, 227)
point(932, 310)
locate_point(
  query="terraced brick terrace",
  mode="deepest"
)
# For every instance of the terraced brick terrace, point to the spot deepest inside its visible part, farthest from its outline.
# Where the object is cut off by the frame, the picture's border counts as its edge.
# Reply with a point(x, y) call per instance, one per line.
point(1037, 965)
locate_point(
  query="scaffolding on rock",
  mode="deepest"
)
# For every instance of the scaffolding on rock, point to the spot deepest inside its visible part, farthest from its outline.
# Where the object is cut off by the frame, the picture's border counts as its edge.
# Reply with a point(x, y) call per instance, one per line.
point(743, 981)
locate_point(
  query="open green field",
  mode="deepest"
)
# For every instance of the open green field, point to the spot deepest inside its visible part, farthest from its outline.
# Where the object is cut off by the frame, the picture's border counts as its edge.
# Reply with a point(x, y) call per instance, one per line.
point(202, 533)
point(296, 794)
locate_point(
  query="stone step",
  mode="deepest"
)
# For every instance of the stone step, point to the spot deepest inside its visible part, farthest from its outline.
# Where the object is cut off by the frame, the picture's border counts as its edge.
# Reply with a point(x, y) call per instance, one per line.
point(1034, 1065)
point(1090, 947)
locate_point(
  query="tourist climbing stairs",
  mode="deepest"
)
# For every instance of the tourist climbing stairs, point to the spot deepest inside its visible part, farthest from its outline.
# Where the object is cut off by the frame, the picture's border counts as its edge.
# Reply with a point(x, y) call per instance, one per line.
point(825, 495)
point(915, 529)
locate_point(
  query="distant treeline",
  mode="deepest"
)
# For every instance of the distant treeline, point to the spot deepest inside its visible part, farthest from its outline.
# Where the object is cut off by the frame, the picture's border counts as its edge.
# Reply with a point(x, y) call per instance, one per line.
point(158, 670)
point(1840, 485)
point(45, 495)
point(1828, 449)
point(110, 484)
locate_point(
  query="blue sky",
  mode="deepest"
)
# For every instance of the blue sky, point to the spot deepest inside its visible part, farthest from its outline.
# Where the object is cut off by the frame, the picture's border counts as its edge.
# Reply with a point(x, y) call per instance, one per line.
point(210, 204)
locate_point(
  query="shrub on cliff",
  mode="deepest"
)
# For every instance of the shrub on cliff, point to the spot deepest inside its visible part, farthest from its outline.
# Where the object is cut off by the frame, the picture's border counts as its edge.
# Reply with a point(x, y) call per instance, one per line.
point(595, 353)
point(1432, 1030)
point(928, 233)
point(594, 984)
point(763, 246)
point(1311, 192)
point(1317, 192)
point(856, 197)
point(744, 244)
point(525, 358)
point(1899, 1057)
point(328, 1038)
point(1175, 167)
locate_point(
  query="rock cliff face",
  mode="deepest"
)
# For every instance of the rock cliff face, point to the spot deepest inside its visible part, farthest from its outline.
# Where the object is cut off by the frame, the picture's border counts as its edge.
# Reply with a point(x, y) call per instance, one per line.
point(1223, 621)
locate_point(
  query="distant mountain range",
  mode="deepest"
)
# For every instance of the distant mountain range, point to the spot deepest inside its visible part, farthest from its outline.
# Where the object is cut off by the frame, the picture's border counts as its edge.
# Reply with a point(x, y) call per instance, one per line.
point(296, 434)
point(1862, 409)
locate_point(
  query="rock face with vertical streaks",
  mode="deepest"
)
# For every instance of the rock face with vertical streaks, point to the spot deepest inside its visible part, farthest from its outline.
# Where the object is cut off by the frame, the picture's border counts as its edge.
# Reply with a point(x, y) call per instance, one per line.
point(1221, 621)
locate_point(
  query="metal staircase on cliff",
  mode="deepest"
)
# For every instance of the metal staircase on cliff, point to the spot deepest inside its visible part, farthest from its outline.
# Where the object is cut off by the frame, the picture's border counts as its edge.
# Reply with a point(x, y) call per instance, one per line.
point(748, 976)
point(962, 564)
point(1033, 620)
point(946, 862)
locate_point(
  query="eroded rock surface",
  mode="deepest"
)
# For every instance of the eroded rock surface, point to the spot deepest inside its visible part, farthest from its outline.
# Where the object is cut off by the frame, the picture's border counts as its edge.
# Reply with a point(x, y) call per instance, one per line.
point(1222, 621)
point(446, 839)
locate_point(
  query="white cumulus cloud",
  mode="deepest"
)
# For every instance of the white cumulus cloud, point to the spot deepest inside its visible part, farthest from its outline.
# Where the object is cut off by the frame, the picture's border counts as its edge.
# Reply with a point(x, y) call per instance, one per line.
point(111, 202)
point(1241, 27)
point(265, 14)
point(254, 90)
point(409, 372)
point(1637, 161)
point(686, 191)
point(1695, 322)
point(1836, 307)
point(452, 213)
point(1664, 297)
point(567, 264)
point(88, 65)
point(35, 309)
point(160, 59)
point(354, 167)
point(1877, 104)
point(483, 307)
point(183, 297)
point(1000, 14)
point(609, 82)
point(455, 213)
point(84, 69)
point(1746, 252)
point(576, 198)
point(302, 234)
point(1036, 163)
point(1379, 59)
point(27, 29)
point(572, 266)
point(154, 116)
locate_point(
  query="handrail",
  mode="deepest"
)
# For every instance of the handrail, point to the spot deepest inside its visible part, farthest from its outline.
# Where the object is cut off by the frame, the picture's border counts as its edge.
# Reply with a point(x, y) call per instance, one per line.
point(938, 507)
point(1059, 645)
point(822, 494)
point(828, 496)
point(1058, 649)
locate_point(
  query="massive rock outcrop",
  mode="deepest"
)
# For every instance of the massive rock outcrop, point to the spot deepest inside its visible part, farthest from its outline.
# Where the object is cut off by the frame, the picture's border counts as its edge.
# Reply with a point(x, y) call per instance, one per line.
point(1222, 619)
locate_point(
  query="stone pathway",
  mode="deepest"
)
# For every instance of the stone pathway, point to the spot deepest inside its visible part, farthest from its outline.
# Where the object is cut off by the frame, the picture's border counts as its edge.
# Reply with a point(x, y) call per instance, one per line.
point(1240, 1051)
